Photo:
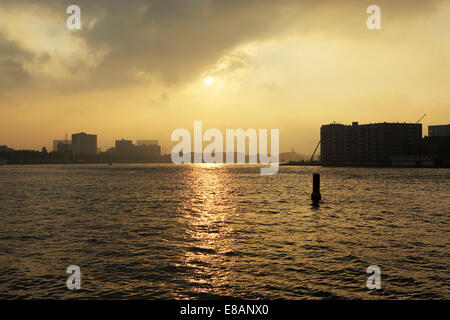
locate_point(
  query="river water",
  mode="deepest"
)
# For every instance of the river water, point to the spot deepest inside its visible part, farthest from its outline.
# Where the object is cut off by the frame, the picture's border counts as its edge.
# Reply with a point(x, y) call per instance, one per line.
point(223, 231)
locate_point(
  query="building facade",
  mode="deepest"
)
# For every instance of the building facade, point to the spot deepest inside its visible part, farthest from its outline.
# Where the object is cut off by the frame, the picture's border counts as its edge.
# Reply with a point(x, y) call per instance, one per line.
point(147, 142)
point(65, 143)
point(83, 143)
point(439, 131)
point(124, 146)
point(126, 151)
point(368, 144)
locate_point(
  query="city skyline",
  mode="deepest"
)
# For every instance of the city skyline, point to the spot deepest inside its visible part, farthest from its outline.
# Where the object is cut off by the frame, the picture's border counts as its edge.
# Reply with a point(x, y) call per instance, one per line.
point(433, 130)
point(146, 68)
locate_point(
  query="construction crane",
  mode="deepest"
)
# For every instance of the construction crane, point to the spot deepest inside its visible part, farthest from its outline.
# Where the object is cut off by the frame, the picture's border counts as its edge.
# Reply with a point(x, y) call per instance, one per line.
point(421, 118)
point(314, 153)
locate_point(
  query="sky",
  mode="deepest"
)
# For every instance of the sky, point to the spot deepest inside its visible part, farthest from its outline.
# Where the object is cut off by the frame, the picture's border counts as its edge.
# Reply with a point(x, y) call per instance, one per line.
point(141, 69)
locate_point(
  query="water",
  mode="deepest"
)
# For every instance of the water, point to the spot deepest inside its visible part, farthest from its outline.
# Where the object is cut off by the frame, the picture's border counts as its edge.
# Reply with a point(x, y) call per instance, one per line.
point(201, 232)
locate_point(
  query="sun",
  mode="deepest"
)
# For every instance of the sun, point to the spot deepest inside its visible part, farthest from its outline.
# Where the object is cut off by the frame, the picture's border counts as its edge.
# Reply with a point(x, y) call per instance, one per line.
point(208, 81)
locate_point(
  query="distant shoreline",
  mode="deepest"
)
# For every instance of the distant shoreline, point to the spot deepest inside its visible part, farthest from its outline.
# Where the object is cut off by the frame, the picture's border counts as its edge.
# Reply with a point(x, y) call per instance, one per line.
point(361, 166)
point(281, 165)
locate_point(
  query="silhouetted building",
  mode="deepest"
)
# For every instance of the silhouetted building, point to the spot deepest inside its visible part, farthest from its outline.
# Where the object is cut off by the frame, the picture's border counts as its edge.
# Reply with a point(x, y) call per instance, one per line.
point(439, 131)
point(11, 156)
point(83, 143)
point(152, 152)
point(124, 146)
point(147, 142)
point(57, 142)
point(413, 161)
point(63, 147)
point(126, 151)
point(429, 152)
point(4, 148)
point(368, 144)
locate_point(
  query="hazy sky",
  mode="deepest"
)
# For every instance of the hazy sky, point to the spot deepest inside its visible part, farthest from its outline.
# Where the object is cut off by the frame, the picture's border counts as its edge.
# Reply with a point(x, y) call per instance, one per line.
point(137, 69)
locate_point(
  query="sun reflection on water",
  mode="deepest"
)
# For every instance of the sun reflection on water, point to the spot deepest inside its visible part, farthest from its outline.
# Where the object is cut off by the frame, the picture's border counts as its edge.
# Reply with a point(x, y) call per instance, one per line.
point(205, 214)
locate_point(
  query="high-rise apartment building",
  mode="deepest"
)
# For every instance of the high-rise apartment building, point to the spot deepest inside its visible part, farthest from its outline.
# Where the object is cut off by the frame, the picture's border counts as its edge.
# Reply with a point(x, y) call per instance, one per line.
point(83, 143)
point(439, 131)
point(124, 146)
point(368, 144)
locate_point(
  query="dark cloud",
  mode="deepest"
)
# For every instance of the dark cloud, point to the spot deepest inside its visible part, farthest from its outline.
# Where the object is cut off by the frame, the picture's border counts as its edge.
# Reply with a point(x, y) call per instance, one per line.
point(43, 58)
point(11, 49)
point(12, 72)
point(12, 75)
point(176, 40)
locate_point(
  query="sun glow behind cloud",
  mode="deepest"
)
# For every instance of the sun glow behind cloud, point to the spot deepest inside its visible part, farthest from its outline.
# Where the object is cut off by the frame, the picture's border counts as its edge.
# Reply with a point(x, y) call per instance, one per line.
point(209, 81)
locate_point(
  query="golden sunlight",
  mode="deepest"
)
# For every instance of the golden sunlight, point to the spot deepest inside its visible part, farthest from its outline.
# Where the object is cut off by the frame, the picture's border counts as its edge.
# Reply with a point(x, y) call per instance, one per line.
point(208, 81)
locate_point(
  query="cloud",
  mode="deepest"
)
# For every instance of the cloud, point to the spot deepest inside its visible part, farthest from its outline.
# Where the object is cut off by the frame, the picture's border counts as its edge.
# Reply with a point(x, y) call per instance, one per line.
point(10, 49)
point(175, 41)
point(12, 72)
point(12, 75)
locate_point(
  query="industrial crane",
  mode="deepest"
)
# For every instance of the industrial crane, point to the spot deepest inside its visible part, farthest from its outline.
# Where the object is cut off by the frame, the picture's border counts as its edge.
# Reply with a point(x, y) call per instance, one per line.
point(421, 118)
point(314, 153)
